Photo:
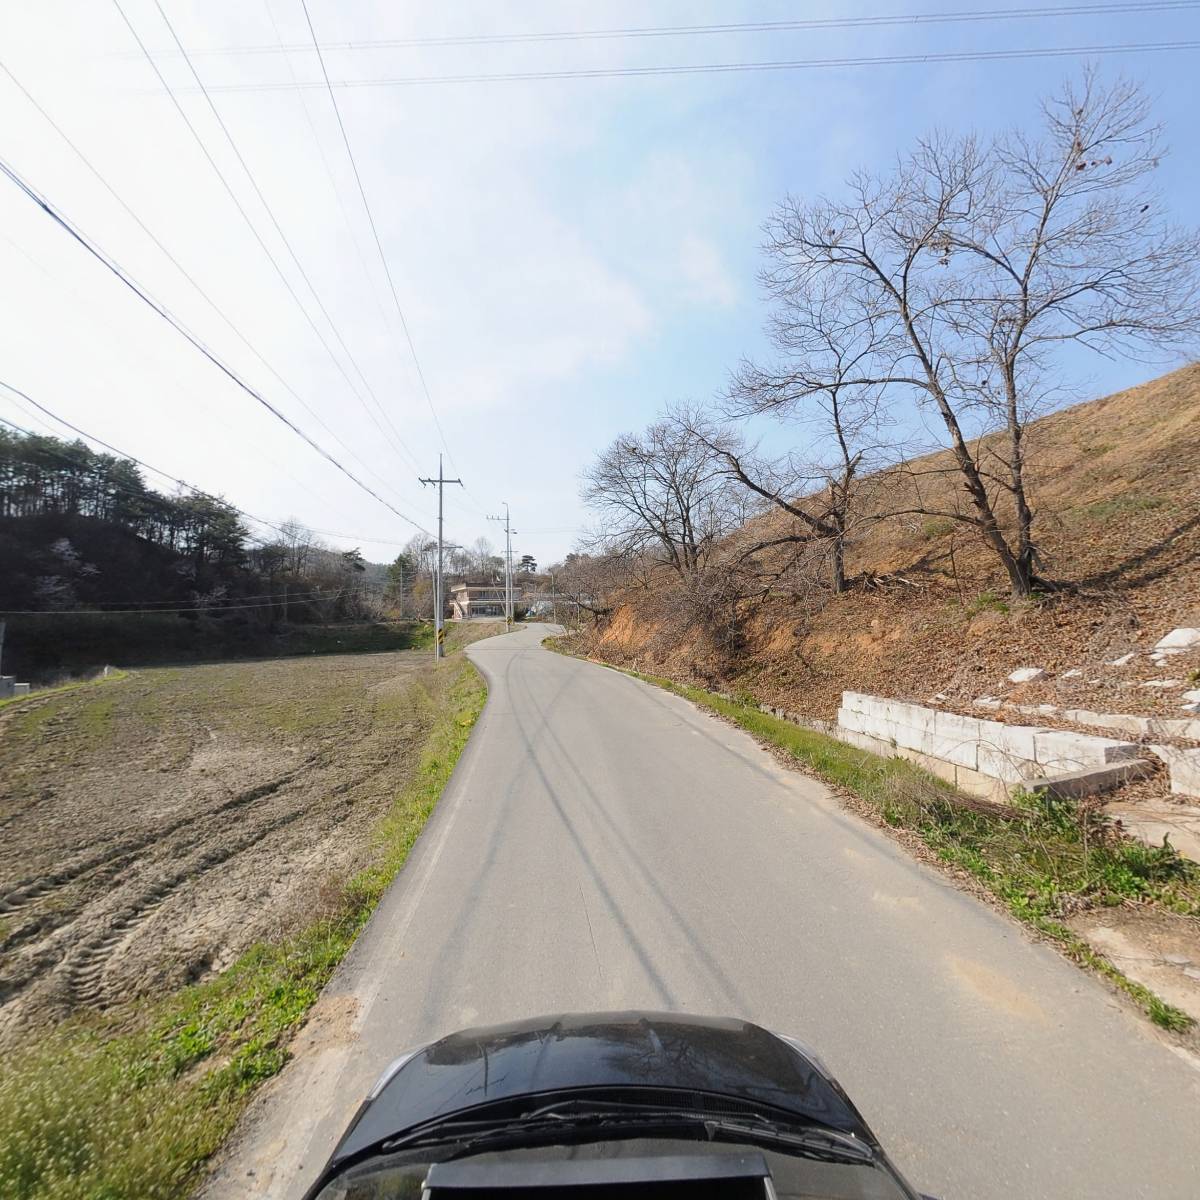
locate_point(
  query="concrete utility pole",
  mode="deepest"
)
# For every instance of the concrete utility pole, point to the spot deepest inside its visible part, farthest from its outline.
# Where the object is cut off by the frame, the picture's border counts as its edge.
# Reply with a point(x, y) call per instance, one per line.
point(438, 603)
point(508, 587)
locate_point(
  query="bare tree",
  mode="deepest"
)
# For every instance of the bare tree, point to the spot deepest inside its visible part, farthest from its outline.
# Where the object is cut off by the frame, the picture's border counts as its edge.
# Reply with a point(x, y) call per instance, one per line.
point(591, 581)
point(967, 265)
point(1070, 245)
point(824, 340)
point(661, 492)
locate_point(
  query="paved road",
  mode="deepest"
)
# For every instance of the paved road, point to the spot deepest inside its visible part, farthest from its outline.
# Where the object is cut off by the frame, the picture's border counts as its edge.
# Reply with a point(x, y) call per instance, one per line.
point(603, 844)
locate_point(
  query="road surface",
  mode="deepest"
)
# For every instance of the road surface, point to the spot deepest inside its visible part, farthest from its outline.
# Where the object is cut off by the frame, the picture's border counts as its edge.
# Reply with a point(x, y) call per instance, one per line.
point(603, 845)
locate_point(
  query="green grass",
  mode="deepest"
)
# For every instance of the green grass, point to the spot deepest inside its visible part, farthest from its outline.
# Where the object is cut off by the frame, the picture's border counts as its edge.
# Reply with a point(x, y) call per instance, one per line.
point(42, 693)
point(936, 527)
point(1121, 506)
point(1043, 858)
point(99, 1111)
point(987, 602)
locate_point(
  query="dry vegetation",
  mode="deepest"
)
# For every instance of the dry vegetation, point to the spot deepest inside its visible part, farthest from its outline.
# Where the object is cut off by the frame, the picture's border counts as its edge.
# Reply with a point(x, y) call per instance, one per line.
point(927, 611)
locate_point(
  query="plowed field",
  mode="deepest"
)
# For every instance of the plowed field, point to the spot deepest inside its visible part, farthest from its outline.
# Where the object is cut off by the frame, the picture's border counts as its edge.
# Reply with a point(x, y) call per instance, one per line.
point(153, 827)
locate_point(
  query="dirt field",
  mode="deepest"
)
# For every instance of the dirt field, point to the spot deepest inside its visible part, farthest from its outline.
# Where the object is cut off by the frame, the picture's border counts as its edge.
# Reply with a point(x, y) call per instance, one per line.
point(154, 827)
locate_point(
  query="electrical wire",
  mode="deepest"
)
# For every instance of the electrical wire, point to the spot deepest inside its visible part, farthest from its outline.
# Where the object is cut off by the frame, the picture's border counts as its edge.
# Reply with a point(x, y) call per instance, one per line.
point(727, 68)
point(662, 31)
point(412, 349)
point(232, 326)
point(241, 209)
point(191, 487)
point(178, 325)
point(116, 612)
point(333, 183)
point(391, 432)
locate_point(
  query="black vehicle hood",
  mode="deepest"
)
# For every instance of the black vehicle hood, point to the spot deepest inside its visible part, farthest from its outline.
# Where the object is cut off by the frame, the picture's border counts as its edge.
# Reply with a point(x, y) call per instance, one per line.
point(684, 1053)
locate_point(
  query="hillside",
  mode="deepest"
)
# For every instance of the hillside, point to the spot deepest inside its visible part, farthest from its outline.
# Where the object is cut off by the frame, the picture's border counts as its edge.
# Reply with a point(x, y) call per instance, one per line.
point(1113, 482)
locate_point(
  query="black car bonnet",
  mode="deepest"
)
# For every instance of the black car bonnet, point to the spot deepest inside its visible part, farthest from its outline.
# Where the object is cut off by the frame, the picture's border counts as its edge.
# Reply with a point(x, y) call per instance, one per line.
point(671, 1052)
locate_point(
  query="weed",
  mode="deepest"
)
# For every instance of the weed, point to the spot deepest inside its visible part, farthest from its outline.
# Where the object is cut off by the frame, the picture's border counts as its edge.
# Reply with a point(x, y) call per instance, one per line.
point(936, 527)
point(987, 602)
point(1120, 506)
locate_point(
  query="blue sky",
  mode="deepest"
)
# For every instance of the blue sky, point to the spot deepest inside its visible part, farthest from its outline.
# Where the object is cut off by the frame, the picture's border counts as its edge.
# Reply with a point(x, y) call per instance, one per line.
point(570, 255)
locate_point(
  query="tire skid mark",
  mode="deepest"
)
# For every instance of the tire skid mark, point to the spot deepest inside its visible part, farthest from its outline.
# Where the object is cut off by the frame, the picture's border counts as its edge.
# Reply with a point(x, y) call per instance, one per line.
point(86, 967)
point(122, 849)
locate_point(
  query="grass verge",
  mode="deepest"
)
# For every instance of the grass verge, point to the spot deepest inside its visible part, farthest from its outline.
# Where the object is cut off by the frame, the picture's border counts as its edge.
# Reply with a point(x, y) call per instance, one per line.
point(74, 686)
point(1043, 858)
point(100, 1110)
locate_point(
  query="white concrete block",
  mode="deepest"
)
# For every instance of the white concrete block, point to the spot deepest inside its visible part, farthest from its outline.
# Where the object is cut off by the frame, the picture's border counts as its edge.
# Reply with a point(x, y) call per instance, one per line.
point(1007, 767)
point(988, 702)
point(952, 725)
point(1060, 750)
point(864, 723)
point(864, 742)
point(848, 718)
point(7, 683)
point(1184, 766)
point(963, 752)
point(1095, 779)
point(855, 701)
point(1073, 673)
point(1192, 697)
point(900, 713)
point(20, 689)
point(1179, 639)
point(1026, 674)
point(1012, 741)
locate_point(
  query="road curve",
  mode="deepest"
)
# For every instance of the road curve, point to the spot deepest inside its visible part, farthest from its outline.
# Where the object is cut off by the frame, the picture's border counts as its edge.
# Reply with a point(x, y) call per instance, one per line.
point(603, 844)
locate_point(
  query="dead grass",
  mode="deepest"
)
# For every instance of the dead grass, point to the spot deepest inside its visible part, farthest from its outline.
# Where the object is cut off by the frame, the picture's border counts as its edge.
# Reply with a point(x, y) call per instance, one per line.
point(1113, 482)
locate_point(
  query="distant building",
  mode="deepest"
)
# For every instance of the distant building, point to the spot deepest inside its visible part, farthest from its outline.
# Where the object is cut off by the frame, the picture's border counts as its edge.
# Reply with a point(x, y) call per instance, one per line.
point(469, 600)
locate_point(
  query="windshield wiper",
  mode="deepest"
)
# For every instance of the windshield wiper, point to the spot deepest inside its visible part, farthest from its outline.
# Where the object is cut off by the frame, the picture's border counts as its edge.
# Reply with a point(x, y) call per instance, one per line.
point(590, 1117)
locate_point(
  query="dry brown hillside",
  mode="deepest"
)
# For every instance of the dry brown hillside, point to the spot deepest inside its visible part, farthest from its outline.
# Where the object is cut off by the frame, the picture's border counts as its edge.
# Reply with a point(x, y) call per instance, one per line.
point(1114, 484)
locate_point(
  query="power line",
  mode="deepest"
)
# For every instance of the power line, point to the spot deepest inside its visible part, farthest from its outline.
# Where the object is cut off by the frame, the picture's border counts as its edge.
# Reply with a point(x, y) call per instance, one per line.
point(178, 325)
point(333, 184)
point(665, 31)
point(115, 612)
point(183, 483)
point(394, 435)
point(238, 205)
point(727, 68)
point(412, 349)
point(233, 327)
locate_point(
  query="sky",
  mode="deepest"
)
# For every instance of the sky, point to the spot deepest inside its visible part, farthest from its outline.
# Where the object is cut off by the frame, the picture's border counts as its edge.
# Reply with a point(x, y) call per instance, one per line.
point(569, 255)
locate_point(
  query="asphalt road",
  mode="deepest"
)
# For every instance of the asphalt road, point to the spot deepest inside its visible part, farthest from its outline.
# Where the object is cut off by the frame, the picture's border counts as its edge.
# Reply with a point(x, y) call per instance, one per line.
point(605, 845)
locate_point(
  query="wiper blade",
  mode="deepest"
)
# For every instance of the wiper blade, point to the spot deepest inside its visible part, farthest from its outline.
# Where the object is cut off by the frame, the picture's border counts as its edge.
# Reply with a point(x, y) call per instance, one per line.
point(825, 1144)
point(590, 1117)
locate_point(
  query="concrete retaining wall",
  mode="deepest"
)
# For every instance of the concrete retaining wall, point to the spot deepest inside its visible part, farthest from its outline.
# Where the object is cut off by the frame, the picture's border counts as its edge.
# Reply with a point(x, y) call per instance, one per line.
point(985, 758)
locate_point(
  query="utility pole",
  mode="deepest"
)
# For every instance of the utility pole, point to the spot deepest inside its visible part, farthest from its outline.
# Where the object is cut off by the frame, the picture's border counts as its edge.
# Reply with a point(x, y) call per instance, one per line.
point(508, 587)
point(438, 604)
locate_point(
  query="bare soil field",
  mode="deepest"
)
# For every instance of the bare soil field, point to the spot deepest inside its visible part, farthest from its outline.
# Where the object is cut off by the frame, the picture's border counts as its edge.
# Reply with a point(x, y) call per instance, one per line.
point(154, 827)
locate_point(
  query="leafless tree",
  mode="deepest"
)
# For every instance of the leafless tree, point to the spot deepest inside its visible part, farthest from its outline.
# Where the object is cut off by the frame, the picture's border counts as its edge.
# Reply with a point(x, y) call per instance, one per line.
point(663, 493)
point(964, 268)
point(590, 582)
point(1070, 245)
point(823, 339)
